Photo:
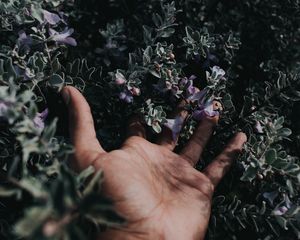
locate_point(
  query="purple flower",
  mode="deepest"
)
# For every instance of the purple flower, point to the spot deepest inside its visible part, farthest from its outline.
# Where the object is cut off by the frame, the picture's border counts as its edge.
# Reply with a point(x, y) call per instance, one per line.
point(283, 207)
point(39, 120)
point(217, 72)
point(51, 18)
point(270, 196)
point(216, 76)
point(24, 40)
point(198, 96)
point(206, 110)
point(191, 90)
point(187, 85)
point(63, 37)
point(175, 125)
point(280, 211)
point(126, 96)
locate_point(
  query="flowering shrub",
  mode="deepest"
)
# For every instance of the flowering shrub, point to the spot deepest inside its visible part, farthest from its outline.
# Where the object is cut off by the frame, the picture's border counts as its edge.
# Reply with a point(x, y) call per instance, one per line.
point(235, 59)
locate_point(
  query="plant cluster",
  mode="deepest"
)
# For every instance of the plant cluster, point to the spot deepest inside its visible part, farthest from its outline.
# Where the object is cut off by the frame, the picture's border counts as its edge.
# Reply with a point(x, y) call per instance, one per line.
point(237, 60)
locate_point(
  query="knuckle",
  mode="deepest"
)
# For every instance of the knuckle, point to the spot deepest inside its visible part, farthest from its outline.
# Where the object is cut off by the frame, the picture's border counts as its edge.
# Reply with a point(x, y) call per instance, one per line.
point(135, 140)
point(188, 158)
point(207, 187)
point(213, 121)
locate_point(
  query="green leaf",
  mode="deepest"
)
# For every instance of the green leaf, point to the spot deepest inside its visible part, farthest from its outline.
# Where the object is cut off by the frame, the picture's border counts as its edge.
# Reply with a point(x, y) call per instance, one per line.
point(49, 131)
point(1, 66)
point(278, 122)
point(155, 73)
point(270, 156)
point(100, 210)
point(56, 81)
point(282, 222)
point(82, 177)
point(167, 32)
point(37, 12)
point(284, 132)
point(156, 127)
point(249, 174)
point(94, 184)
point(32, 221)
point(7, 192)
point(56, 65)
point(75, 67)
point(11, 72)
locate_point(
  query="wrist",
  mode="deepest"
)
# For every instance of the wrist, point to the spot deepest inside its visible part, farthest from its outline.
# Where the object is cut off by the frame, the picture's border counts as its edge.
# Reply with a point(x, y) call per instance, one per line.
point(150, 234)
point(128, 234)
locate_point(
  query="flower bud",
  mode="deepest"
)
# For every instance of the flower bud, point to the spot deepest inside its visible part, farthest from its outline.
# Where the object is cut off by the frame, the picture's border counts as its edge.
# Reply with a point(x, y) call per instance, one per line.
point(168, 85)
point(169, 72)
point(135, 91)
point(157, 67)
point(217, 106)
point(259, 176)
point(50, 228)
point(171, 56)
point(120, 81)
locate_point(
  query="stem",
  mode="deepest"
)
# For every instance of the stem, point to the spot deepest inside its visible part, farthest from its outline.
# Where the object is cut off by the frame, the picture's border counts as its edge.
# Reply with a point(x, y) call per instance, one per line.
point(48, 55)
point(12, 180)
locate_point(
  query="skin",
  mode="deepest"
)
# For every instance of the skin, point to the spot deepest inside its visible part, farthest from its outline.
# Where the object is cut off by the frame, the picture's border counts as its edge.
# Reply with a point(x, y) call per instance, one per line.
point(159, 192)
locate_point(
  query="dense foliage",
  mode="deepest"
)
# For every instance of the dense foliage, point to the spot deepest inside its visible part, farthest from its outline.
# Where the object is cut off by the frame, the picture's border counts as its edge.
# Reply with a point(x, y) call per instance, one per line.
point(144, 57)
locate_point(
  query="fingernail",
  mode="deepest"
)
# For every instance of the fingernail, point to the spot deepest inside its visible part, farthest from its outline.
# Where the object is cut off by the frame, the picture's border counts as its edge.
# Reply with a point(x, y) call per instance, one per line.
point(66, 96)
point(242, 136)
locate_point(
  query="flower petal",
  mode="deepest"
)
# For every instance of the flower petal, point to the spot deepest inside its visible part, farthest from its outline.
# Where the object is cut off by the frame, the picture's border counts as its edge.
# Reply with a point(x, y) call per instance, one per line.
point(198, 96)
point(175, 125)
point(270, 196)
point(51, 18)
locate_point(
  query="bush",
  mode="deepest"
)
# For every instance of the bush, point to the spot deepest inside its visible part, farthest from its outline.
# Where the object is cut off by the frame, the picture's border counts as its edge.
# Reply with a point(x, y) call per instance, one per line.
point(144, 57)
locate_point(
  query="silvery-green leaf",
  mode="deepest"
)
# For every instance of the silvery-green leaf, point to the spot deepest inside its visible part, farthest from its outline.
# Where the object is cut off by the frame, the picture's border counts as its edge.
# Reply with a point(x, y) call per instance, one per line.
point(94, 183)
point(249, 174)
point(56, 81)
point(9, 192)
point(282, 222)
point(270, 156)
point(156, 127)
point(284, 132)
point(155, 73)
point(85, 174)
point(33, 219)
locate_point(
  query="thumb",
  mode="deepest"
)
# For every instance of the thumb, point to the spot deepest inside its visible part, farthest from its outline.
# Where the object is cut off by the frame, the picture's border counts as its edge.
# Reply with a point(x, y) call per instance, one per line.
point(81, 128)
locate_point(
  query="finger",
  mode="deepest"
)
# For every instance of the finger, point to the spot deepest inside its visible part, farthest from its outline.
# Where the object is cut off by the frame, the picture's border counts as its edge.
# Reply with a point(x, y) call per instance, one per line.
point(194, 148)
point(81, 126)
point(136, 128)
point(220, 166)
point(169, 136)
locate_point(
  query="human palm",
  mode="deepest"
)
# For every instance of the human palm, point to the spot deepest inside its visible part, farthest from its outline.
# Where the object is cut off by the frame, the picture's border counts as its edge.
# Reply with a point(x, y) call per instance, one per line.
point(159, 192)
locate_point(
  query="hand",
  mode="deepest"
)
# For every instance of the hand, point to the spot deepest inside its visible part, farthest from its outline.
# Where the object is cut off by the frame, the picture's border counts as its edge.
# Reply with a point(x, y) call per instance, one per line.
point(159, 192)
